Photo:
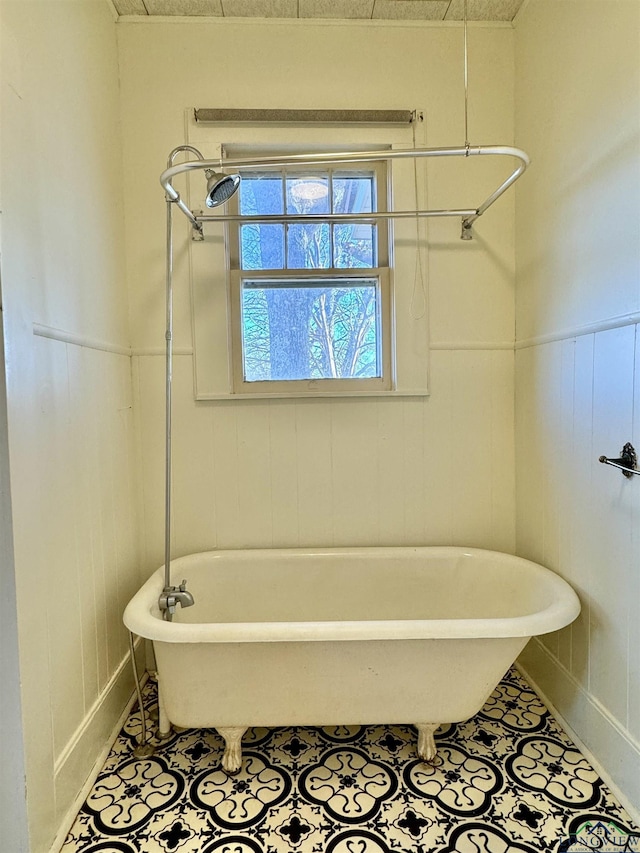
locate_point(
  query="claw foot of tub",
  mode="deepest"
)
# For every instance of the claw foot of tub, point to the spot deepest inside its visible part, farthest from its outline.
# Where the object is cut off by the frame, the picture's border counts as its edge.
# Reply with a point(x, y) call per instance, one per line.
point(427, 749)
point(232, 758)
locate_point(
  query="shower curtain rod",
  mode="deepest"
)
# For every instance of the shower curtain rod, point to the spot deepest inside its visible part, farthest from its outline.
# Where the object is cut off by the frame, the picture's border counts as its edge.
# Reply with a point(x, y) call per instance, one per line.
point(468, 215)
point(173, 595)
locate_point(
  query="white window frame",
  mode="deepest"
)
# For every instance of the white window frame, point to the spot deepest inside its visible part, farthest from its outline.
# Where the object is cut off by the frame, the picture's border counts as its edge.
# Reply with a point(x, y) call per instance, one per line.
point(381, 273)
point(209, 274)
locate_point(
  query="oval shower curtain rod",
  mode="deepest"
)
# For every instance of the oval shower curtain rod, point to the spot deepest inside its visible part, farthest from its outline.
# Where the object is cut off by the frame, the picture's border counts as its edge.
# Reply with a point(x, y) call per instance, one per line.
point(468, 215)
point(220, 187)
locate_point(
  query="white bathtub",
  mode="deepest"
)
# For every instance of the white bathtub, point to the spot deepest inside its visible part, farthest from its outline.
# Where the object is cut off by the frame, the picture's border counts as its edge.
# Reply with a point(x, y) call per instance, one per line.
point(353, 636)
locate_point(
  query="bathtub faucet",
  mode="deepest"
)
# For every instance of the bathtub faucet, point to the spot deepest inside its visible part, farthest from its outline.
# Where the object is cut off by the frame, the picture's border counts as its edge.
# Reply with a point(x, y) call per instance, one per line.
point(171, 597)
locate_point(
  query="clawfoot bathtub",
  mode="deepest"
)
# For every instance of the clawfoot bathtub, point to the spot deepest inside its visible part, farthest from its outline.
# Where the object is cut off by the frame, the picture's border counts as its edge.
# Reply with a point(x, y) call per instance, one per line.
point(355, 636)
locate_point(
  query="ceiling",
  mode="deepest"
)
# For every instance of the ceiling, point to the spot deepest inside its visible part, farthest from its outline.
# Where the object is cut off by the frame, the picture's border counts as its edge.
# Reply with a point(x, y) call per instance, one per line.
point(390, 10)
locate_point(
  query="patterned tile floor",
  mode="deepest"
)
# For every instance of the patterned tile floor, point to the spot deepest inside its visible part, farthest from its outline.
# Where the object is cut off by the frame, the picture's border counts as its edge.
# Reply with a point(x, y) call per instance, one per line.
point(509, 781)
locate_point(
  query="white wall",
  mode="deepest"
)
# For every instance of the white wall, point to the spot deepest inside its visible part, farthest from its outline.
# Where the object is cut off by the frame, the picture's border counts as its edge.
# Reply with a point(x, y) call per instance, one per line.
point(69, 393)
point(318, 472)
point(578, 357)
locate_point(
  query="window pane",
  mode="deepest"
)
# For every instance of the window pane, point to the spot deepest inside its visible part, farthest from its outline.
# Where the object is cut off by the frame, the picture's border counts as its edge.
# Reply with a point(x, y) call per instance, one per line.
point(307, 330)
point(261, 194)
point(353, 246)
point(308, 194)
point(352, 195)
point(255, 335)
point(261, 247)
point(309, 246)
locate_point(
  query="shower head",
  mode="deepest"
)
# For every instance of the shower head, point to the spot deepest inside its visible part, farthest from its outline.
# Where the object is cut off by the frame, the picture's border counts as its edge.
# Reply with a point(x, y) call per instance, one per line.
point(220, 187)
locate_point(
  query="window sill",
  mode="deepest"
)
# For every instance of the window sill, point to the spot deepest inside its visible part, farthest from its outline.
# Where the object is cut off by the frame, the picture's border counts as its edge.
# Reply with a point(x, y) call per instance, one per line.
point(294, 395)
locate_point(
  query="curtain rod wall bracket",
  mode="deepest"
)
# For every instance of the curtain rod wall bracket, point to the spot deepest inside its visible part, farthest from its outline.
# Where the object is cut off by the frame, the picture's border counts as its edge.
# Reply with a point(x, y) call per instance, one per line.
point(197, 229)
point(627, 462)
point(467, 230)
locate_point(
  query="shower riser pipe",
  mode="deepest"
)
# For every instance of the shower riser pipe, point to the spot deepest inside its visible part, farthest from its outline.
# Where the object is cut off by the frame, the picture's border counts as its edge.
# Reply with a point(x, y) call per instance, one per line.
point(168, 401)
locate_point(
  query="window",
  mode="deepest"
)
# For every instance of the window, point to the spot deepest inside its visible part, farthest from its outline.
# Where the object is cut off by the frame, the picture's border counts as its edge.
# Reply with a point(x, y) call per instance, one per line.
point(343, 270)
point(310, 296)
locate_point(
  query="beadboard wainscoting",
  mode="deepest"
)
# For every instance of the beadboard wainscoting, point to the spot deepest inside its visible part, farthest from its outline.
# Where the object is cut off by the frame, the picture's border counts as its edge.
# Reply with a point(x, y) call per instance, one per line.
point(287, 473)
point(85, 557)
point(578, 399)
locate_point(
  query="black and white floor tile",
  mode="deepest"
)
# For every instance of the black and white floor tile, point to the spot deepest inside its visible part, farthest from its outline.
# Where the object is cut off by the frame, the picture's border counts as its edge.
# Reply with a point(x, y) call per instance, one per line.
point(507, 781)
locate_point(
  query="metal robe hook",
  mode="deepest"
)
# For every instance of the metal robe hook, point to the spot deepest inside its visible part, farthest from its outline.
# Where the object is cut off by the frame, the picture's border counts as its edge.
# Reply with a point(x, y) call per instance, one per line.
point(627, 462)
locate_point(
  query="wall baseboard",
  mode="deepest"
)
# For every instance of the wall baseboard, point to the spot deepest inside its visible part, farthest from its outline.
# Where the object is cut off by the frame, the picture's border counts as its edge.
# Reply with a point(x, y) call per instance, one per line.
point(607, 746)
point(78, 766)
